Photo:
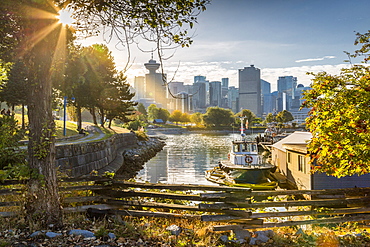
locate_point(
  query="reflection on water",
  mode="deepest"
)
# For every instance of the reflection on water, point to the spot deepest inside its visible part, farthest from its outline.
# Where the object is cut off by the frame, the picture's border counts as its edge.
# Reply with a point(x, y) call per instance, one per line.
point(186, 157)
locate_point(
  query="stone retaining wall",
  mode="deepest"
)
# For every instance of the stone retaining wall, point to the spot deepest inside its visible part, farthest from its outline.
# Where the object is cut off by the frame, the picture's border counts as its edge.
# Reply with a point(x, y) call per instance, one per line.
point(80, 159)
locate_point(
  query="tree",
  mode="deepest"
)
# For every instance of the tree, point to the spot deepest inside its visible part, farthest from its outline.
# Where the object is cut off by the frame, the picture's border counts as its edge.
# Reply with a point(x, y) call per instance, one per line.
point(284, 116)
point(35, 43)
point(216, 116)
point(163, 114)
point(163, 20)
point(196, 118)
point(185, 117)
point(153, 112)
point(11, 155)
point(270, 118)
point(118, 103)
point(339, 121)
point(15, 90)
point(339, 118)
point(175, 116)
point(141, 108)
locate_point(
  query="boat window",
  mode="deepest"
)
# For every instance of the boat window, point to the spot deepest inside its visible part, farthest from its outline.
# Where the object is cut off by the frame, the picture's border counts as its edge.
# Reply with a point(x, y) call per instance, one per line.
point(236, 148)
point(246, 148)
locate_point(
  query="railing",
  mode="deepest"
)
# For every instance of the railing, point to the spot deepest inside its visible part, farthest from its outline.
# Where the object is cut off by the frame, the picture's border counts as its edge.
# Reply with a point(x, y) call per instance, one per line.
point(238, 207)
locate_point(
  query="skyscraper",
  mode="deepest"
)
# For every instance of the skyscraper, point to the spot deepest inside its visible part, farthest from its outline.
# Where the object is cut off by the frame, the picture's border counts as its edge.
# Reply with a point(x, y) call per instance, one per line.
point(155, 84)
point(139, 85)
point(215, 93)
point(233, 99)
point(250, 90)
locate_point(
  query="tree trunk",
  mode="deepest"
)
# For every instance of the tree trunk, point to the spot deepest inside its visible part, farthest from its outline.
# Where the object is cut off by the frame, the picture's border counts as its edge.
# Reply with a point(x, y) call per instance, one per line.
point(92, 112)
point(42, 206)
point(43, 202)
point(23, 122)
point(102, 120)
point(110, 123)
point(79, 117)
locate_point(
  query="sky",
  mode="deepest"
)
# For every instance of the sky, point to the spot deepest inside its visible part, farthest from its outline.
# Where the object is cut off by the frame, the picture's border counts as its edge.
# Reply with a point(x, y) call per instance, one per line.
point(280, 37)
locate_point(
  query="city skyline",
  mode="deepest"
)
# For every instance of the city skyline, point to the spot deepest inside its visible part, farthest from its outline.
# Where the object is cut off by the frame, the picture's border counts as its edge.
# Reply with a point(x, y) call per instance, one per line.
point(281, 37)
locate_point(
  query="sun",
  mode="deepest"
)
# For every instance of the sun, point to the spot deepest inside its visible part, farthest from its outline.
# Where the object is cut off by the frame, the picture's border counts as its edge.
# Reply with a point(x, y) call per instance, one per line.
point(64, 17)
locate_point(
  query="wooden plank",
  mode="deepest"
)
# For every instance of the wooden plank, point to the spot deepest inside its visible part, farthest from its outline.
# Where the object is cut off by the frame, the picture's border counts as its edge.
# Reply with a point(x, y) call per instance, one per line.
point(81, 209)
point(240, 213)
point(136, 213)
point(179, 187)
point(83, 199)
point(225, 195)
point(139, 204)
point(347, 191)
point(132, 193)
point(301, 213)
point(87, 187)
point(365, 217)
point(317, 203)
point(222, 218)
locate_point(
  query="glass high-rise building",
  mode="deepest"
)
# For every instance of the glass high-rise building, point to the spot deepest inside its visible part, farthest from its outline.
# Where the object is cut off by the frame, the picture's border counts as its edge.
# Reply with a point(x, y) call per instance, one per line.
point(250, 90)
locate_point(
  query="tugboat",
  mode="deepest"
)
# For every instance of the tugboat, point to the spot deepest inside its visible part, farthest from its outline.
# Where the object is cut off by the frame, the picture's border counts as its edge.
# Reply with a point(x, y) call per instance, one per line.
point(245, 167)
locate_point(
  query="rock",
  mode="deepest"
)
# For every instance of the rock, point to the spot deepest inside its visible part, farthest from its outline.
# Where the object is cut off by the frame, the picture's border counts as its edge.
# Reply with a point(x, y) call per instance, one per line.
point(111, 235)
point(264, 236)
point(84, 233)
point(174, 229)
point(224, 238)
point(242, 234)
point(36, 234)
point(53, 234)
point(252, 241)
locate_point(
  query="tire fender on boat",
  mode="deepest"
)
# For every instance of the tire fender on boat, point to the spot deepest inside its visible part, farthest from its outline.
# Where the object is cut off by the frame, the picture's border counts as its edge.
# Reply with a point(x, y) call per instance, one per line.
point(248, 159)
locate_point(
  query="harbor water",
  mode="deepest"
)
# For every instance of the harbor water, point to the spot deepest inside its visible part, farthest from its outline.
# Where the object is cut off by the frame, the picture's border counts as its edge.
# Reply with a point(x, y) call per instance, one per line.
point(186, 157)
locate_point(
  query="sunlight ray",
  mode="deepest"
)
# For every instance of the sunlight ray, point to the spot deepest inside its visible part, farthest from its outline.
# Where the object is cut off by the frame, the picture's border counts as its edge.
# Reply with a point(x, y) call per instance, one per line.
point(60, 53)
point(37, 37)
point(35, 13)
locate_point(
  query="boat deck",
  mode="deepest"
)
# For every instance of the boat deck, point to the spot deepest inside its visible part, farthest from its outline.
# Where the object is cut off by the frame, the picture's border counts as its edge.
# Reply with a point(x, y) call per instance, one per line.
point(230, 165)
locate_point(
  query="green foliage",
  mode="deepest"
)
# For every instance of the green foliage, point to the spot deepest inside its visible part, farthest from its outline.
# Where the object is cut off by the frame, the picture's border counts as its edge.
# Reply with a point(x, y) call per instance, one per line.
point(166, 21)
point(284, 117)
point(141, 108)
point(196, 118)
point(141, 135)
point(339, 122)
point(10, 134)
point(158, 113)
point(153, 112)
point(270, 118)
point(216, 116)
point(135, 124)
point(163, 114)
point(175, 116)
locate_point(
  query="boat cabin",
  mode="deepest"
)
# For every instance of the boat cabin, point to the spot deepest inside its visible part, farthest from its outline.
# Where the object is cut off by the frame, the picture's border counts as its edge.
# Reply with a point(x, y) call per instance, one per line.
point(244, 153)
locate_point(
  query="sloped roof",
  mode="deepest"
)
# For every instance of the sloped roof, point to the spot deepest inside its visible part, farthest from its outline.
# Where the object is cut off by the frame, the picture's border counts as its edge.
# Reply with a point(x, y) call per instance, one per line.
point(296, 138)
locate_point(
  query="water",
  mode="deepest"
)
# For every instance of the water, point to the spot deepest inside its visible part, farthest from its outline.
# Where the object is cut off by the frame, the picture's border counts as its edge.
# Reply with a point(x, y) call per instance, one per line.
point(186, 157)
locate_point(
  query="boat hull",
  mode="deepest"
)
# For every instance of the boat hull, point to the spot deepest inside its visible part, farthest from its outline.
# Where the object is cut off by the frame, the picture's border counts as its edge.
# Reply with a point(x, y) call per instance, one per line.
point(255, 179)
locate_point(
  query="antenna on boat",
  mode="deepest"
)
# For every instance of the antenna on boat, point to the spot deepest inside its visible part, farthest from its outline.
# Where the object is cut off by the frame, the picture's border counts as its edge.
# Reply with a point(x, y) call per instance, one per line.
point(242, 127)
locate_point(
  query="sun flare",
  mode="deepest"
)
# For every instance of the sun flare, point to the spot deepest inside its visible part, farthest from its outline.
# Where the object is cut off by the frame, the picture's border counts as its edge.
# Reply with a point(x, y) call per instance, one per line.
point(64, 17)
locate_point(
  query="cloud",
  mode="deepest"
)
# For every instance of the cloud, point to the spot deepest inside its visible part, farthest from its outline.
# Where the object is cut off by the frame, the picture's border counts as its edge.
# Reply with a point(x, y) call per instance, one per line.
point(315, 59)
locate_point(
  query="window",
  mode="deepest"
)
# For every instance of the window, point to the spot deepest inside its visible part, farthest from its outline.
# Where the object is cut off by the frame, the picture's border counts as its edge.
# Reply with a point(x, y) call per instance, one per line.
point(301, 163)
point(289, 157)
